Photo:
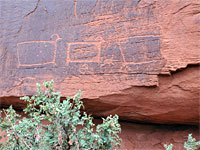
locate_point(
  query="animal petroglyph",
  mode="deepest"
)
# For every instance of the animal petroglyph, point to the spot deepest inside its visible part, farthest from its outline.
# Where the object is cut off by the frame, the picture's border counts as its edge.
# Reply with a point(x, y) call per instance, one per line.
point(31, 53)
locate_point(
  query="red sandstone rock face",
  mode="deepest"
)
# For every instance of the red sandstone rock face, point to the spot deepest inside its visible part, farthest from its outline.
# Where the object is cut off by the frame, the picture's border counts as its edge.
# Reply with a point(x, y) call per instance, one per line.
point(180, 33)
point(175, 100)
point(114, 51)
point(152, 137)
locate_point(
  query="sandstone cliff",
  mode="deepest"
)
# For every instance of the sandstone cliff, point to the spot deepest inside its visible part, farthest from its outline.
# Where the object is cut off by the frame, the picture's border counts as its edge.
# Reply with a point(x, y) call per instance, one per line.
point(124, 55)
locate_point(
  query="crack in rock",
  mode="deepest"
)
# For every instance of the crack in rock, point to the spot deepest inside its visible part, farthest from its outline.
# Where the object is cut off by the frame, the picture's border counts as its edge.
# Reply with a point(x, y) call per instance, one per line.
point(33, 9)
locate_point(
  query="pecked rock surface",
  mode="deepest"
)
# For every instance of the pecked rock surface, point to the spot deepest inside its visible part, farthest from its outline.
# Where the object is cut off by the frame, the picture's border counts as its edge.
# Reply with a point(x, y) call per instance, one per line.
point(124, 55)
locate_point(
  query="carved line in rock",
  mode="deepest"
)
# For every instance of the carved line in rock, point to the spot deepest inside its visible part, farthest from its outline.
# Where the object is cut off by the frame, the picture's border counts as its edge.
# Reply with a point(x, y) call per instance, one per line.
point(77, 52)
point(98, 45)
point(120, 42)
point(21, 45)
point(95, 58)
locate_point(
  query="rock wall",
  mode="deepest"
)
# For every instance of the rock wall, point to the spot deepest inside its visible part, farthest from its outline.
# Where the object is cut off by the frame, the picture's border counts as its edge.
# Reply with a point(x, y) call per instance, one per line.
point(175, 100)
point(116, 52)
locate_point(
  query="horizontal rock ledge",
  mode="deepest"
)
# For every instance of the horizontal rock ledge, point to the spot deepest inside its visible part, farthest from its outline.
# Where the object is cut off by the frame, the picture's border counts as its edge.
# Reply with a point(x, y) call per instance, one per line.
point(174, 101)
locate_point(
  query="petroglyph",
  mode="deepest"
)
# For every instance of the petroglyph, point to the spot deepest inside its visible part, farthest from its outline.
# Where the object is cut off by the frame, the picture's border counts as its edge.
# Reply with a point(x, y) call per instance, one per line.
point(32, 53)
point(132, 54)
point(83, 52)
point(133, 50)
point(137, 50)
point(92, 57)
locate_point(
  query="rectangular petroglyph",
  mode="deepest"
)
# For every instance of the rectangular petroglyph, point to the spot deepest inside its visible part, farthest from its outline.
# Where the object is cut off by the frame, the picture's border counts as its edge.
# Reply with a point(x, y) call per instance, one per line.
point(35, 53)
point(83, 52)
point(31, 53)
point(136, 50)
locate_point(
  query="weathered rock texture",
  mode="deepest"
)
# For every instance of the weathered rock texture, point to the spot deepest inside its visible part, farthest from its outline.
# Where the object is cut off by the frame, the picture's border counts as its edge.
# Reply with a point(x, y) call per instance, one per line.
point(153, 137)
point(114, 51)
point(176, 99)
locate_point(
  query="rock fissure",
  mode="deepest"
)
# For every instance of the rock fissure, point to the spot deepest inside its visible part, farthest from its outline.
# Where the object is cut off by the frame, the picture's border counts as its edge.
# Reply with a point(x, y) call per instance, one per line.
point(31, 12)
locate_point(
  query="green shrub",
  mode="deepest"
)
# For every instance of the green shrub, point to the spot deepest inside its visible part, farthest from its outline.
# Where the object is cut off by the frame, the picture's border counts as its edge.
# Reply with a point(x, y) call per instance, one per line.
point(168, 147)
point(191, 144)
point(67, 128)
